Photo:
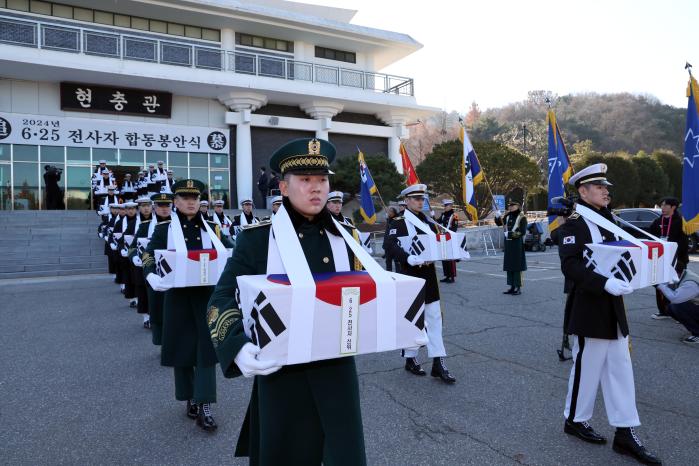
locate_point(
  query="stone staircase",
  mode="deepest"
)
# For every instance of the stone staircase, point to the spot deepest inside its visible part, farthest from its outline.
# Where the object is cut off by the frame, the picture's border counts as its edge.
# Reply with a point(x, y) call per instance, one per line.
point(50, 243)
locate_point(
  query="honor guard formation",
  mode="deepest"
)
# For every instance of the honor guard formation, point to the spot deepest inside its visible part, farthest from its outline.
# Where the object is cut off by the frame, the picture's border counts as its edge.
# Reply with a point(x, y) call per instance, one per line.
point(216, 290)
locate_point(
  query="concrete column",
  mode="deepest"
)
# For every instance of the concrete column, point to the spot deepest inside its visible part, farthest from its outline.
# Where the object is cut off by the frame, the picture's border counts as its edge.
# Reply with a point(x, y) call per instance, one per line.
point(227, 39)
point(243, 104)
point(397, 120)
point(323, 111)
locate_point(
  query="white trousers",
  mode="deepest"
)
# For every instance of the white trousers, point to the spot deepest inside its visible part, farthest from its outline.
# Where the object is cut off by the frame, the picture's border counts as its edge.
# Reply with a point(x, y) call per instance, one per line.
point(433, 325)
point(607, 362)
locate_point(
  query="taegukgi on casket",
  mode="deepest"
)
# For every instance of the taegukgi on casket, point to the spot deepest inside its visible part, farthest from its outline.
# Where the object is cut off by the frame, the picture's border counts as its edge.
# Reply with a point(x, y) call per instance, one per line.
point(181, 268)
point(298, 317)
point(365, 239)
point(639, 263)
point(430, 246)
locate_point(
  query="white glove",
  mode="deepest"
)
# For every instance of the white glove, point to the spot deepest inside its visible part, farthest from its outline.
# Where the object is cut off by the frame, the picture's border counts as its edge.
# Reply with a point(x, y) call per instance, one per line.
point(123, 252)
point(156, 282)
point(249, 365)
point(415, 260)
point(617, 287)
point(112, 246)
point(137, 261)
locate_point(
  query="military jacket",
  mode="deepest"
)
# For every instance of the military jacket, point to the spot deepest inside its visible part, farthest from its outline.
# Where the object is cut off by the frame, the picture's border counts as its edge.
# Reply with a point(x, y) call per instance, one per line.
point(516, 224)
point(449, 220)
point(250, 218)
point(590, 310)
point(427, 271)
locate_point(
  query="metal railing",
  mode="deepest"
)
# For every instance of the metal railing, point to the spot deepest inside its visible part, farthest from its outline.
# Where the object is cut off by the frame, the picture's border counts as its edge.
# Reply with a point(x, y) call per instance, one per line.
point(125, 46)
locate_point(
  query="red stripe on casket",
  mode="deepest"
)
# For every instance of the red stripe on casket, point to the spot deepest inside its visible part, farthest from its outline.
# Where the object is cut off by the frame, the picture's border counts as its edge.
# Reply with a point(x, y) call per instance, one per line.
point(651, 246)
point(444, 237)
point(329, 285)
point(194, 255)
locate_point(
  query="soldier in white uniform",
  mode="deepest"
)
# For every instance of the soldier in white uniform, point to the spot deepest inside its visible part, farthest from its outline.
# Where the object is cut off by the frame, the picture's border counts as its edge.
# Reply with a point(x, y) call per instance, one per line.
point(596, 317)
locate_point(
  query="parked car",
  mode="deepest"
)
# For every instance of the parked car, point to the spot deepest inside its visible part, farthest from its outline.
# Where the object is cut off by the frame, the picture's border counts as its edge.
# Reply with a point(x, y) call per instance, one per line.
point(642, 218)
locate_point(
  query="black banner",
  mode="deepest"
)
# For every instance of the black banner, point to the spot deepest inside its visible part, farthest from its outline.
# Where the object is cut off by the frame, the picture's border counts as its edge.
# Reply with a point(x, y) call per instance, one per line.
point(77, 97)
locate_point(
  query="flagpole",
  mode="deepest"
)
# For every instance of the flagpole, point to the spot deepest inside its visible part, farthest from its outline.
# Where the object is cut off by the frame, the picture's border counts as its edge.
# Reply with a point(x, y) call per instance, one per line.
point(385, 209)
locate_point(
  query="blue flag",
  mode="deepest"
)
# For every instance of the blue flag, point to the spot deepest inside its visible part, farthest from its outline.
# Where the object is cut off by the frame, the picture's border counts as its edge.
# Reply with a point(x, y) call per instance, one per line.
point(690, 170)
point(559, 167)
point(367, 188)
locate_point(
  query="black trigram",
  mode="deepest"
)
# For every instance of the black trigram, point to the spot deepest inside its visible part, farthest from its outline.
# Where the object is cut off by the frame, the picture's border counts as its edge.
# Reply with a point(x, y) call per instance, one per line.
point(139, 248)
point(416, 246)
point(367, 242)
point(463, 244)
point(624, 269)
point(587, 255)
point(162, 267)
point(262, 310)
point(416, 311)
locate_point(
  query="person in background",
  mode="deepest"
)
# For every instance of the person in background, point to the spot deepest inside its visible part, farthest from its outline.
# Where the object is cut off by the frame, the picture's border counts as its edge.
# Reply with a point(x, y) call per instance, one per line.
point(204, 209)
point(514, 225)
point(391, 213)
point(683, 303)
point(450, 221)
point(263, 184)
point(273, 186)
point(668, 227)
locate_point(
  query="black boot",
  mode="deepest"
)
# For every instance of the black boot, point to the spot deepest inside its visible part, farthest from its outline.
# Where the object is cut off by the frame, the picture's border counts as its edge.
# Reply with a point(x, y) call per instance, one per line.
point(439, 369)
point(583, 431)
point(627, 442)
point(205, 420)
point(510, 291)
point(445, 280)
point(192, 410)
point(412, 366)
point(516, 291)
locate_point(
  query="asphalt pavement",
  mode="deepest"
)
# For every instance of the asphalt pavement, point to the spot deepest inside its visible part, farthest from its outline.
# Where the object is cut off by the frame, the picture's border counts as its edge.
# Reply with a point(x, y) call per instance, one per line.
point(81, 383)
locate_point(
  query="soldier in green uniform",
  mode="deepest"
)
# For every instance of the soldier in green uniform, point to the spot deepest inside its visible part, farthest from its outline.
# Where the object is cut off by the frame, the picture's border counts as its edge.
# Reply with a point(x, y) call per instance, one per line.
point(514, 225)
point(163, 210)
point(304, 414)
point(186, 345)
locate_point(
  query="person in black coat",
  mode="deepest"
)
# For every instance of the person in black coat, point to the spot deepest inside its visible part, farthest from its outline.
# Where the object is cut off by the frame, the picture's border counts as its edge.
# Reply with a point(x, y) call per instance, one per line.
point(391, 213)
point(596, 316)
point(669, 228)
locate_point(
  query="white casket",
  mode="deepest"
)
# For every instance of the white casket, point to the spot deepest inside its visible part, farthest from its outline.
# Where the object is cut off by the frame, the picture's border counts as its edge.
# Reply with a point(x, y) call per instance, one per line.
point(438, 247)
point(141, 245)
point(296, 317)
point(365, 239)
point(128, 239)
point(638, 265)
point(181, 268)
point(195, 268)
point(344, 320)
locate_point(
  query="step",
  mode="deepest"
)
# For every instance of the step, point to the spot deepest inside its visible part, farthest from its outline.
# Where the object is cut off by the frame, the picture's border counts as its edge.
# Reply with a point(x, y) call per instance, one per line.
point(50, 273)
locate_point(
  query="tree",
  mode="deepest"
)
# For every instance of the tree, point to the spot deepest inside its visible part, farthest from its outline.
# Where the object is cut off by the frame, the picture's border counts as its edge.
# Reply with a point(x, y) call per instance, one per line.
point(383, 171)
point(671, 165)
point(621, 172)
point(472, 116)
point(653, 182)
point(505, 169)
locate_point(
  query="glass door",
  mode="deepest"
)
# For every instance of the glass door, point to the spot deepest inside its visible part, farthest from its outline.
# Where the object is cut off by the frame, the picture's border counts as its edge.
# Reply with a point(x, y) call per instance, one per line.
point(78, 187)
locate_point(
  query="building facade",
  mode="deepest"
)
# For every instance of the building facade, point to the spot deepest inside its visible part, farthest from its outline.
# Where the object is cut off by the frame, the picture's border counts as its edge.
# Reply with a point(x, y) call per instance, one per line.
point(211, 88)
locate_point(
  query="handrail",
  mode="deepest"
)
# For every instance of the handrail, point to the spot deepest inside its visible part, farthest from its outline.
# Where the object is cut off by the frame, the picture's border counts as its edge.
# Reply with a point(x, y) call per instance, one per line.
point(123, 45)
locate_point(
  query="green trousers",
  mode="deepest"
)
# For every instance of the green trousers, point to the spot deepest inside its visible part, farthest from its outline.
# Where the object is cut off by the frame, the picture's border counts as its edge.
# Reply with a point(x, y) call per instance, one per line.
point(195, 383)
point(514, 279)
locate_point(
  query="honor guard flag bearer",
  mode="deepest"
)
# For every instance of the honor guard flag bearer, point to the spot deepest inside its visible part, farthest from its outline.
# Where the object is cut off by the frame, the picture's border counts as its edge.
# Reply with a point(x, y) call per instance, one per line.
point(560, 169)
point(471, 175)
point(690, 163)
point(367, 188)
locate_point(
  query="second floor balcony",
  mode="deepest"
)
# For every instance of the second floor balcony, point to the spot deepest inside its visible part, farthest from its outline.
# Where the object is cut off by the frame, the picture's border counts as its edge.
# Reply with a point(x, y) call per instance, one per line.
point(118, 44)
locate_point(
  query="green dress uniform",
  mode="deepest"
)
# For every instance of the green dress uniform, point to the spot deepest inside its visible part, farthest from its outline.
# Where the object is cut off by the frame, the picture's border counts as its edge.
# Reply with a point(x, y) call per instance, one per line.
point(303, 414)
point(515, 226)
point(186, 345)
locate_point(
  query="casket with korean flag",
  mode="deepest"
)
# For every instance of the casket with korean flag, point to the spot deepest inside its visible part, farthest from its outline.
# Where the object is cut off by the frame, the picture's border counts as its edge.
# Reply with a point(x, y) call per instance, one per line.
point(638, 262)
point(639, 265)
point(429, 246)
point(295, 316)
point(141, 245)
point(181, 268)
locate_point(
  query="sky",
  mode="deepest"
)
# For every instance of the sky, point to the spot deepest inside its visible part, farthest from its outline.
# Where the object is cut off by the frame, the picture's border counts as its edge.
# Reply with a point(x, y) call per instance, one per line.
point(494, 51)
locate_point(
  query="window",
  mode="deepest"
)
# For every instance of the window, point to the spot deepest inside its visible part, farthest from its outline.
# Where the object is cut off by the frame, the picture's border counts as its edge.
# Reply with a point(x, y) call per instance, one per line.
point(139, 23)
point(21, 5)
point(175, 29)
point(104, 17)
point(5, 152)
point(83, 14)
point(122, 21)
point(158, 26)
point(26, 153)
point(198, 159)
point(79, 155)
point(177, 159)
point(249, 40)
point(193, 32)
point(52, 155)
point(43, 8)
point(338, 55)
point(63, 11)
point(211, 34)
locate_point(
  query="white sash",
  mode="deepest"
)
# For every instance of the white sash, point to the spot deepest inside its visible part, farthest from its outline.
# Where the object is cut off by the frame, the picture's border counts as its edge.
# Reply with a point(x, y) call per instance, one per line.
point(175, 240)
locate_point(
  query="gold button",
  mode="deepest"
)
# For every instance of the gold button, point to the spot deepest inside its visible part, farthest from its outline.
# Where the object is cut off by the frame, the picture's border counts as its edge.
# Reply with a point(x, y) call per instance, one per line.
point(184, 226)
point(186, 239)
point(326, 260)
point(300, 235)
point(321, 232)
point(198, 238)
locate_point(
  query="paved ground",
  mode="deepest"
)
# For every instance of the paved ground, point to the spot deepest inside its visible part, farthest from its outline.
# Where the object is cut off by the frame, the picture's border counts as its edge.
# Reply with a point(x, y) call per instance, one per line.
point(80, 382)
